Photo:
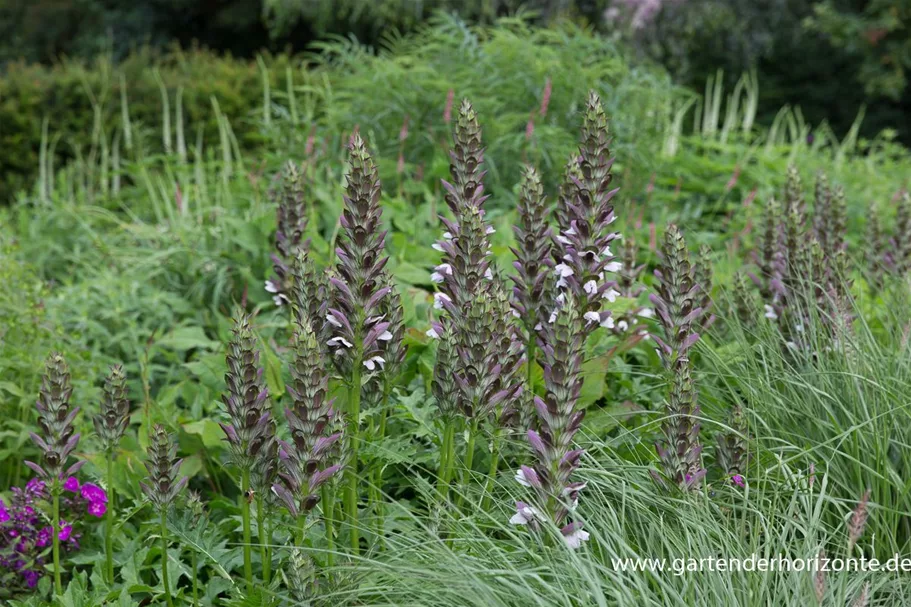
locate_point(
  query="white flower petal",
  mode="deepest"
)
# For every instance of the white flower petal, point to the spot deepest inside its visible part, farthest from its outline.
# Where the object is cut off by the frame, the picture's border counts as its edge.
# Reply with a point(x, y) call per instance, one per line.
point(438, 299)
point(432, 333)
point(770, 312)
point(591, 287)
point(574, 540)
point(385, 336)
point(339, 341)
point(332, 320)
point(437, 247)
point(436, 277)
point(610, 295)
point(444, 268)
point(270, 287)
point(613, 266)
point(520, 477)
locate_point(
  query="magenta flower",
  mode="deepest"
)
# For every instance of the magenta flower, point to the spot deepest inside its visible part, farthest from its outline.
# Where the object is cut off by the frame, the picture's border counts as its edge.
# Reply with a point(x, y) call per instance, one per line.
point(97, 509)
point(71, 484)
point(31, 578)
point(65, 532)
point(94, 493)
point(4, 514)
point(44, 537)
point(737, 479)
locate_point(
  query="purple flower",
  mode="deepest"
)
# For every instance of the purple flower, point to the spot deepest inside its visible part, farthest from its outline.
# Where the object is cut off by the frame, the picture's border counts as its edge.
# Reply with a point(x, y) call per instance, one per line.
point(71, 484)
point(737, 479)
point(4, 514)
point(31, 578)
point(94, 493)
point(65, 531)
point(44, 537)
point(97, 509)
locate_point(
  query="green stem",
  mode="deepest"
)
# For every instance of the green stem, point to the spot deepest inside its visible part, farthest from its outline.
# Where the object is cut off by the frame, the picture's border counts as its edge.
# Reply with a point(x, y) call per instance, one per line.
point(447, 453)
point(469, 460)
point(109, 522)
point(164, 560)
point(195, 564)
point(328, 499)
point(377, 484)
point(494, 464)
point(354, 414)
point(263, 542)
point(245, 512)
point(58, 585)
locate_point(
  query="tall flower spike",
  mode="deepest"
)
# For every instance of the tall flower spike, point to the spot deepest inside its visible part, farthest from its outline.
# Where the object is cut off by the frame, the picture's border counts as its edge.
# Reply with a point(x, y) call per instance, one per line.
point(676, 309)
point(559, 418)
point(466, 160)
point(703, 277)
point(582, 248)
point(112, 422)
point(163, 486)
point(901, 239)
point(357, 294)
point(304, 458)
point(444, 386)
point(732, 445)
point(770, 262)
point(58, 437)
point(291, 220)
point(308, 293)
point(393, 346)
point(533, 255)
point(572, 174)
point(822, 210)
point(247, 397)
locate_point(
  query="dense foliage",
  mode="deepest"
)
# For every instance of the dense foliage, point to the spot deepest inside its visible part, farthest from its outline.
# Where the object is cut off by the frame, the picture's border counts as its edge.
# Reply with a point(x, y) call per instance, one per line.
point(413, 346)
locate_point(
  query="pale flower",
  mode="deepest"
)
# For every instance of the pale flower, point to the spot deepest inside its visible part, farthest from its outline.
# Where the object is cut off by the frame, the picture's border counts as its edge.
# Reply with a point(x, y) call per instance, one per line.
point(524, 514)
point(610, 295)
point(373, 362)
point(438, 299)
point(339, 341)
point(770, 312)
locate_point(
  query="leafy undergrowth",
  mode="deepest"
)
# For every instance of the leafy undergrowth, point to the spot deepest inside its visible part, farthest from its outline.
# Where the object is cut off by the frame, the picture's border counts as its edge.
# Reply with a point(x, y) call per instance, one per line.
point(142, 262)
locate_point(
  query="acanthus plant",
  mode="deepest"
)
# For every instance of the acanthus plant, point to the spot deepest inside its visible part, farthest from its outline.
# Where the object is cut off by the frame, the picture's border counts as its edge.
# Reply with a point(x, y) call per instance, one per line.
point(731, 451)
point(582, 261)
point(677, 311)
point(357, 312)
point(802, 267)
point(477, 313)
point(291, 220)
point(110, 426)
point(888, 252)
point(304, 459)
point(162, 488)
point(57, 441)
point(550, 479)
point(582, 253)
point(533, 278)
point(250, 431)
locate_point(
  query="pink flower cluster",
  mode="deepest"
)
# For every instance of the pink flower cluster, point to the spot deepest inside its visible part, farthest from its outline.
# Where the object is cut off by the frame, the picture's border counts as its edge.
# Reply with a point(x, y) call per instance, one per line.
point(26, 531)
point(93, 494)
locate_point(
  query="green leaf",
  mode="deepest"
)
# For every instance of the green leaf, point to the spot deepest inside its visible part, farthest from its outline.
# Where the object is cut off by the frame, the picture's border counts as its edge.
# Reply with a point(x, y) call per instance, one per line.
point(187, 338)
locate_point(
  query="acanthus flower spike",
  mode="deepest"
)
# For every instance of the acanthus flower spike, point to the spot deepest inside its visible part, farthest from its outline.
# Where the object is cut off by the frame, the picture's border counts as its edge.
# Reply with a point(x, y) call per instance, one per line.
point(291, 220)
point(677, 309)
point(582, 253)
point(555, 494)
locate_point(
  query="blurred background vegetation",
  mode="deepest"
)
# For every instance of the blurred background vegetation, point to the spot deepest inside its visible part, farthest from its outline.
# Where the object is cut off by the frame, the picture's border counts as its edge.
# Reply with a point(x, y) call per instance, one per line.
point(67, 59)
